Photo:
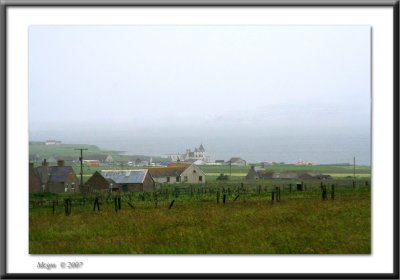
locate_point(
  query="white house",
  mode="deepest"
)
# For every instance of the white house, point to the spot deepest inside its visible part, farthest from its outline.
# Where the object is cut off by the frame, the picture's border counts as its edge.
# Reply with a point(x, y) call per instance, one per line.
point(176, 173)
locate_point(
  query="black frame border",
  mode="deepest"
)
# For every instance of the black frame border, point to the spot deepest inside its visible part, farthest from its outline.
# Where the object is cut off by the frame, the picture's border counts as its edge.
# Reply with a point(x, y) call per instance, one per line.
point(4, 4)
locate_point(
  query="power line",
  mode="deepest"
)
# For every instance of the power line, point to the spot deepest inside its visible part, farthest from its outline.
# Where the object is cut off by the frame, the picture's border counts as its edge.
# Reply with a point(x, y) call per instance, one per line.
point(81, 160)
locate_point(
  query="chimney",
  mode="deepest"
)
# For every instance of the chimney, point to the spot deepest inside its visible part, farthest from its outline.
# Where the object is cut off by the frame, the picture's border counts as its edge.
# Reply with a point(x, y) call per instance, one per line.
point(60, 162)
point(44, 175)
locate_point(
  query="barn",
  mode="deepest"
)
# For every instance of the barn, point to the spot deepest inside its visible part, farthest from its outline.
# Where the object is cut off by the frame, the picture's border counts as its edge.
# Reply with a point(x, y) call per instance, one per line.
point(97, 183)
point(129, 180)
point(255, 174)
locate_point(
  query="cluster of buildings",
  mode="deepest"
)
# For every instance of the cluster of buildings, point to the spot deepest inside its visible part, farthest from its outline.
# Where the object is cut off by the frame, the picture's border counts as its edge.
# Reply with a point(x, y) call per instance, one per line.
point(260, 173)
point(197, 156)
point(55, 179)
point(61, 178)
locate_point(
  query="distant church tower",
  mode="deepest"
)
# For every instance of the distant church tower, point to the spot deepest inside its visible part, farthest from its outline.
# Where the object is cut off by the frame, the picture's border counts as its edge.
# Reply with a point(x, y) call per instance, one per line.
point(198, 154)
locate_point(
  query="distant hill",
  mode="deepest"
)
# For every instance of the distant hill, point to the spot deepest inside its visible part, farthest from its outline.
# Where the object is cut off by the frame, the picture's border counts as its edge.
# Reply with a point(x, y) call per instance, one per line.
point(39, 151)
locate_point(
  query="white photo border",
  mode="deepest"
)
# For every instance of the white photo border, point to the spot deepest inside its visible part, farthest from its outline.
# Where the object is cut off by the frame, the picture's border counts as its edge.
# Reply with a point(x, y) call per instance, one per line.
point(380, 18)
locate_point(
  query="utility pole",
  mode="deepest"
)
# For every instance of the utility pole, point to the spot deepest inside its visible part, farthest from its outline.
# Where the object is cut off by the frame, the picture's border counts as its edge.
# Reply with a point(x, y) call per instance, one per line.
point(354, 167)
point(81, 160)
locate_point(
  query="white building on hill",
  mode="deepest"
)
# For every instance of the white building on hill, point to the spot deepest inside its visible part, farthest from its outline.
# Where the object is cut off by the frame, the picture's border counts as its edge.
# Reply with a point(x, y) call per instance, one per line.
point(198, 154)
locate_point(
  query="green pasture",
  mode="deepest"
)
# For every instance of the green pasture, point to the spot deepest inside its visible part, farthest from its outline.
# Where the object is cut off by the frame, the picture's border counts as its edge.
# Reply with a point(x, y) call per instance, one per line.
point(249, 222)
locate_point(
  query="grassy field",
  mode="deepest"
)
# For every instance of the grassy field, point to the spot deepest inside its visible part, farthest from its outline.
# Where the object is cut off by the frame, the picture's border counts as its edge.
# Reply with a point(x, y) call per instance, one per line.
point(68, 150)
point(248, 223)
point(300, 223)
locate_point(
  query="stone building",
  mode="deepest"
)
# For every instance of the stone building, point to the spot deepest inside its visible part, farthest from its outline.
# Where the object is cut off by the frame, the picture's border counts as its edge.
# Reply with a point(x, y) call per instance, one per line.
point(54, 179)
point(176, 173)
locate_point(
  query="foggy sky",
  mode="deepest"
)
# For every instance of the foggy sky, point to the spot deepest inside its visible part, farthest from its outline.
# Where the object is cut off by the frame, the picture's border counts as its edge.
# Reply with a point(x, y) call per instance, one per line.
point(198, 81)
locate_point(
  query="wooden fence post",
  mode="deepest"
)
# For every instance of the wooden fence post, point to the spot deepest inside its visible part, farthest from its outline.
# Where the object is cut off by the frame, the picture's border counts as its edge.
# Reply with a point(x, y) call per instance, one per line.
point(324, 196)
point(67, 206)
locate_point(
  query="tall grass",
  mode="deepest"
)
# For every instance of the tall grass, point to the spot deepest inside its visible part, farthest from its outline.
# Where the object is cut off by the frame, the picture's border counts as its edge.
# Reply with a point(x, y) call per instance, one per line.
point(301, 223)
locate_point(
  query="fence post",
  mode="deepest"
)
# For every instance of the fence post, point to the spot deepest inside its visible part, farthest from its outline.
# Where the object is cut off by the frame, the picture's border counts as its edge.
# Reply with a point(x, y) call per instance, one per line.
point(272, 196)
point(53, 206)
point(333, 192)
point(155, 200)
point(324, 193)
point(224, 199)
point(67, 206)
point(217, 196)
point(171, 204)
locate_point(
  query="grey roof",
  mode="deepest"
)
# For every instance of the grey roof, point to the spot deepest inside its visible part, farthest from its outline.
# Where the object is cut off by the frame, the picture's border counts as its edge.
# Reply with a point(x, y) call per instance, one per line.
point(57, 174)
point(60, 173)
point(125, 176)
point(201, 148)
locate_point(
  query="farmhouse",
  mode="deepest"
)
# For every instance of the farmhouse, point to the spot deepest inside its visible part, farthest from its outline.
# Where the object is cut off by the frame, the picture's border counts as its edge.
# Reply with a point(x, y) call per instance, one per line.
point(127, 180)
point(255, 174)
point(178, 173)
point(52, 142)
point(91, 162)
point(55, 179)
point(236, 161)
point(100, 158)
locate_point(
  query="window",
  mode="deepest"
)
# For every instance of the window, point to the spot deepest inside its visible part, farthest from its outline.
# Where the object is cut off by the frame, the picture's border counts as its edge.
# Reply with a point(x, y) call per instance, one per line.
point(185, 179)
point(177, 179)
point(167, 179)
point(201, 178)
